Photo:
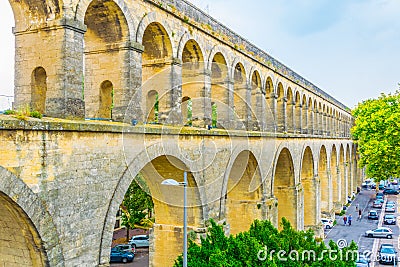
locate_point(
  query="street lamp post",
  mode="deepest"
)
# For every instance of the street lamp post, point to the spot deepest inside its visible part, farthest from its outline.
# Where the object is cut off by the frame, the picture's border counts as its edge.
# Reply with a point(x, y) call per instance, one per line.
point(184, 184)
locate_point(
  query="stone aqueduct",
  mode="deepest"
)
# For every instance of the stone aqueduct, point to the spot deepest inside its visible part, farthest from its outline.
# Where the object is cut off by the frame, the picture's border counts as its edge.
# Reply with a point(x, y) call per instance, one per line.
point(281, 146)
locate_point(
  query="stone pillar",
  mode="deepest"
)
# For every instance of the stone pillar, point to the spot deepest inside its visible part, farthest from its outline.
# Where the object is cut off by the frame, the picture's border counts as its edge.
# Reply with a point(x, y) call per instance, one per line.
point(231, 110)
point(261, 111)
point(270, 113)
point(58, 49)
point(330, 192)
point(127, 104)
point(299, 197)
point(284, 126)
point(201, 104)
point(170, 105)
point(299, 119)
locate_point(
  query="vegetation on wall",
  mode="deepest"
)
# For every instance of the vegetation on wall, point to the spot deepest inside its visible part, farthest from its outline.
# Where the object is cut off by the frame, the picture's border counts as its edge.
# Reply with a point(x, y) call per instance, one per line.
point(261, 245)
point(376, 132)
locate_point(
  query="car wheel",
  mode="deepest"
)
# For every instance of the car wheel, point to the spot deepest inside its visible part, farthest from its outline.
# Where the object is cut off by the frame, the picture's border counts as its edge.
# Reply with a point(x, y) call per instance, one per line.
point(370, 235)
point(328, 227)
point(389, 236)
point(124, 260)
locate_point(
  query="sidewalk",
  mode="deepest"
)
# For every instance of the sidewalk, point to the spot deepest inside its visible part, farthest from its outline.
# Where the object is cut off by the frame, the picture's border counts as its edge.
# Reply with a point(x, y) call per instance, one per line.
point(362, 202)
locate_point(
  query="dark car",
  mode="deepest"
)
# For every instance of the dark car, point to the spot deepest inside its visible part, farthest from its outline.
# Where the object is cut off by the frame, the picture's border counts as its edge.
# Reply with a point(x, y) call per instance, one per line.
point(118, 255)
point(373, 215)
point(381, 186)
point(387, 255)
point(390, 191)
point(389, 219)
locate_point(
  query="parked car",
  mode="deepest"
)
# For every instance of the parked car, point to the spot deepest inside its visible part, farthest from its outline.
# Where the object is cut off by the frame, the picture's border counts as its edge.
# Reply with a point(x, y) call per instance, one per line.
point(126, 247)
point(380, 198)
point(389, 219)
point(362, 261)
point(380, 232)
point(390, 191)
point(139, 241)
point(121, 256)
point(387, 255)
point(381, 186)
point(373, 215)
point(328, 223)
point(390, 208)
point(377, 204)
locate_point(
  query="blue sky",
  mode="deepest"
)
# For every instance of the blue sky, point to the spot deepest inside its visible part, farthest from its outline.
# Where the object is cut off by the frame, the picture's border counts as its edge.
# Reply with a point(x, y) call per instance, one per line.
point(348, 48)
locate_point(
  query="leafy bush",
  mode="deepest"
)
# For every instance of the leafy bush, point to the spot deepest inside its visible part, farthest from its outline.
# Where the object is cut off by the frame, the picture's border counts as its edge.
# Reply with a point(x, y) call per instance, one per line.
point(260, 246)
point(10, 112)
point(23, 113)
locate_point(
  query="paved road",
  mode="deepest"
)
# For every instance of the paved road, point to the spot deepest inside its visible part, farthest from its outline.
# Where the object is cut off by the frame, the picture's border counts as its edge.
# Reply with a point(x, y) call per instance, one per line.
point(141, 259)
point(357, 229)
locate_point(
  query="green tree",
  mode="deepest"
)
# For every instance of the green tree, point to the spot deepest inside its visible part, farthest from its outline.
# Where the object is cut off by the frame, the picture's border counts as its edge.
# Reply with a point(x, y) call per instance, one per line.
point(376, 132)
point(137, 206)
point(260, 246)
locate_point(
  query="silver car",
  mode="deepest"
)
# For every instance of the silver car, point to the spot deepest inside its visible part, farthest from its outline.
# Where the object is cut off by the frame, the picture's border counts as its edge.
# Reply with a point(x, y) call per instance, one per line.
point(380, 232)
point(138, 241)
point(390, 208)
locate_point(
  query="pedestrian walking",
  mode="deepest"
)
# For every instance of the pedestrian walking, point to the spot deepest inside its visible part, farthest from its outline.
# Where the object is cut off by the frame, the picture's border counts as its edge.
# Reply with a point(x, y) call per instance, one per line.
point(349, 219)
point(357, 207)
point(344, 220)
point(359, 214)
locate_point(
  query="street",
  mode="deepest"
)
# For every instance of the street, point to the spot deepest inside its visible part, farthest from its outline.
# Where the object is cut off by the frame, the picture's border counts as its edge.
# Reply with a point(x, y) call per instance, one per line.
point(367, 246)
point(141, 259)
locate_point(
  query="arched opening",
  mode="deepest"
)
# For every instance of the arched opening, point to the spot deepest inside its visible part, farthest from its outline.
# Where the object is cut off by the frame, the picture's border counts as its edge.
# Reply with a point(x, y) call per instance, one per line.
point(20, 242)
point(166, 234)
point(269, 104)
point(7, 56)
point(106, 101)
point(256, 104)
point(280, 108)
point(219, 91)
point(316, 124)
point(106, 54)
point(39, 89)
point(285, 189)
point(343, 181)
point(244, 193)
point(290, 111)
point(187, 111)
point(326, 184)
point(156, 73)
point(310, 189)
point(239, 95)
point(152, 106)
point(193, 83)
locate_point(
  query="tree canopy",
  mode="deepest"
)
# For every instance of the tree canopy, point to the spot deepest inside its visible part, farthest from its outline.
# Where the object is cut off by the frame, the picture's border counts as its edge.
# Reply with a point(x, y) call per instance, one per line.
point(137, 205)
point(264, 245)
point(376, 132)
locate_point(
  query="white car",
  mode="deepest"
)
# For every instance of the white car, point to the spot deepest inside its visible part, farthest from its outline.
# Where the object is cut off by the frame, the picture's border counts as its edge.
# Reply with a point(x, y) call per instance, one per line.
point(139, 241)
point(380, 232)
point(328, 223)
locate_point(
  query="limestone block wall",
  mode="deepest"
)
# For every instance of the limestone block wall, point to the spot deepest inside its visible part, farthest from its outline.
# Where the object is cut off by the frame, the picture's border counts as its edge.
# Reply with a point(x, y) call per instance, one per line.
point(78, 172)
